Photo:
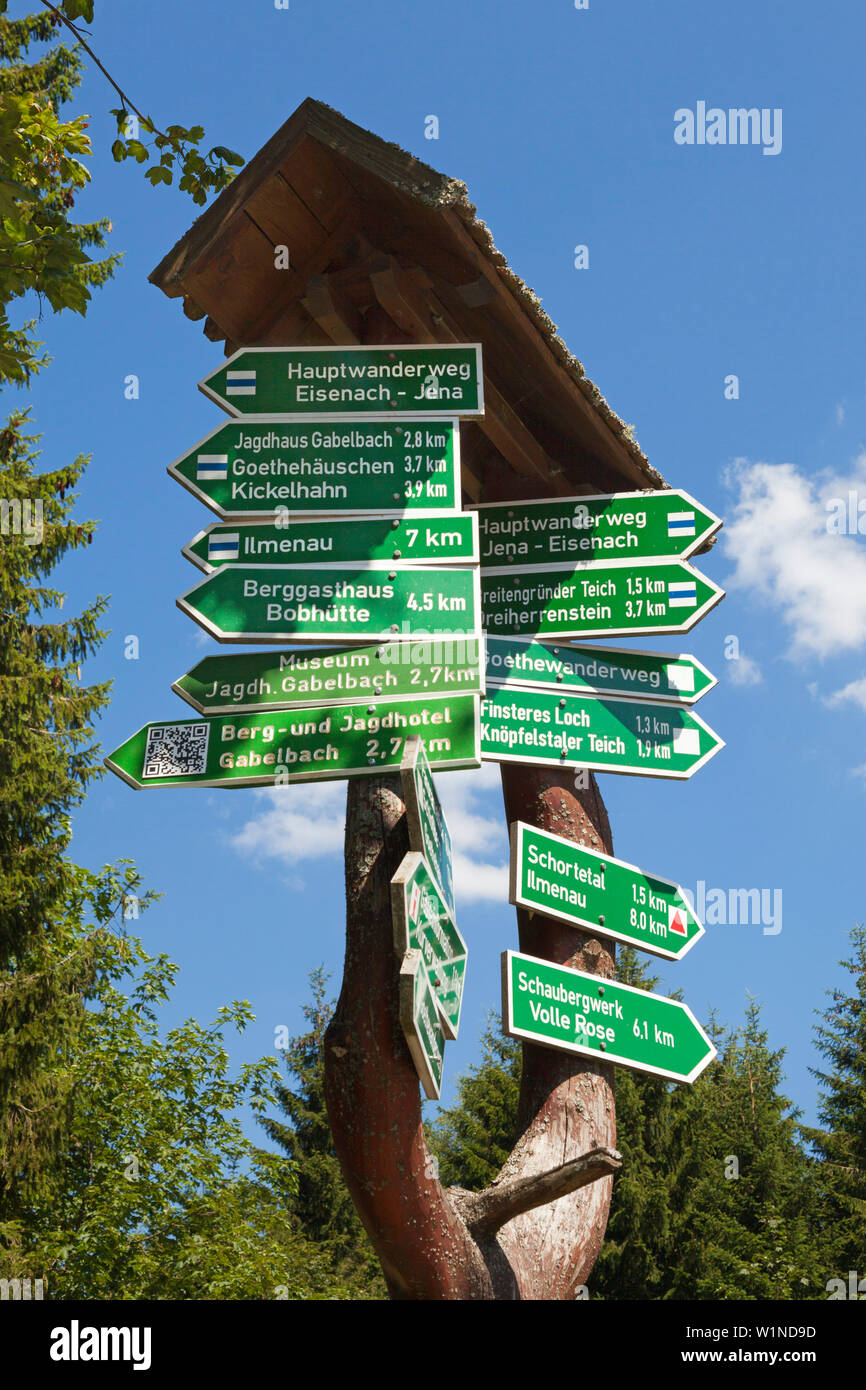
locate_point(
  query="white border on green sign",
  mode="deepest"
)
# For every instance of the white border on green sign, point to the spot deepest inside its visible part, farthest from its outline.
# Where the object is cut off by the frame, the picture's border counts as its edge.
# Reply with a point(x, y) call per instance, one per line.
point(593, 1054)
point(516, 837)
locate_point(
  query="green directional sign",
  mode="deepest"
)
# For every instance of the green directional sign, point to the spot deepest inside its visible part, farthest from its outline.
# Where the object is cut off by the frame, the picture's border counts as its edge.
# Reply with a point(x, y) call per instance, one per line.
point(428, 830)
point(258, 603)
point(516, 661)
point(606, 734)
point(422, 1023)
point(596, 600)
point(310, 745)
point(423, 923)
point(417, 539)
point(243, 681)
point(267, 467)
point(398, 380)
point(609, 526)
point(593, 890)
point(563, 1008)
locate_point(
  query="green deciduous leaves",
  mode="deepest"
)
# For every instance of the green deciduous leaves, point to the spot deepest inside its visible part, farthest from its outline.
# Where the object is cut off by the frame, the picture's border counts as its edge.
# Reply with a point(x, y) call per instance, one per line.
point(174, 150)
point(155, 1192)
point(42, 169)
point(41, 250)
point(78, 9)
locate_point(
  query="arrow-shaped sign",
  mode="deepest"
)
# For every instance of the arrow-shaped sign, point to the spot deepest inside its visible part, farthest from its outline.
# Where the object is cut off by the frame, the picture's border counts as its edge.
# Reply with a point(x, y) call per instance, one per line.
point(421, 538)
point(397, 380)
point(310, 745)
point(423, 923)
point(625, 671)
point(428, 829)
point(596, 600)
point(242, 681)
point(562, 1008)
point(608, 735)
point(257, 603)
point(606, 526)
point(421, 1023)
point(593, 890)
point(267, 467)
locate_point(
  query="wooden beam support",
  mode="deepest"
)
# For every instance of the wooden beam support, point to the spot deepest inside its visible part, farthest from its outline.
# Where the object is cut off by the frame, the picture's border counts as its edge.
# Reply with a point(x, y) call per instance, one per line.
point(477, 292)
point(401, 297)
point(332, 311)
point(609, 444)
point(487, 1211)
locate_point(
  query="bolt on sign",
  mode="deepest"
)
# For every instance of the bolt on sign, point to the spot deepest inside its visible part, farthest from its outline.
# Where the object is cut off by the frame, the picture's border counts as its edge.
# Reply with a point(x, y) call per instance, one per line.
point(589, 889)
point(254, 467)
point(569, 1009)
point(420, 538)
point(310, 745)
point(421, 1023)
point(312, 603)
point(397, 380)
point(428, 830)
point(606, 734)
point(423, 923)
point(244, 681)
point(637, 675)
point(609, 526)
point(617, 599)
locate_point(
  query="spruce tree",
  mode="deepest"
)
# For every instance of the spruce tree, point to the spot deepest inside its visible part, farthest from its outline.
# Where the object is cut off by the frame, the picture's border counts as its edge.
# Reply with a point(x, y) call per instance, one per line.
point(472, 1139)
point(632, 1263)
point(47, 760)
point(47, 757)
point(841, 1142)
point(741, 1185)
point(320, 1200)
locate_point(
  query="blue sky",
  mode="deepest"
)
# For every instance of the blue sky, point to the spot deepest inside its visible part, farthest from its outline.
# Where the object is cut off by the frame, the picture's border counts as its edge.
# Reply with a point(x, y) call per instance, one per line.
point(704, 261)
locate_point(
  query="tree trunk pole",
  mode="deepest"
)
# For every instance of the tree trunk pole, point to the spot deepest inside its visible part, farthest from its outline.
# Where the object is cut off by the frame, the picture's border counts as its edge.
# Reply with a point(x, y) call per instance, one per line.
point(566, 1102)
point(419, 1232)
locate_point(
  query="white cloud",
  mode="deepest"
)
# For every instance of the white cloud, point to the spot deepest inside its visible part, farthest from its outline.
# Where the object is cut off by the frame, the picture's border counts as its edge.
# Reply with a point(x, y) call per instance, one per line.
point(840, 414)
point(854, 692)
point(304, 821)
point(782, 550)
point(744, 671)
point(200, 638)
point(472, 802)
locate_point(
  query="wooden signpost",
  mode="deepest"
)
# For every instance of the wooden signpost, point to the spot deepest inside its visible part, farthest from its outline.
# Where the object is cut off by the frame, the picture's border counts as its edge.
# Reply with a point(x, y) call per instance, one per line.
point(340, 467)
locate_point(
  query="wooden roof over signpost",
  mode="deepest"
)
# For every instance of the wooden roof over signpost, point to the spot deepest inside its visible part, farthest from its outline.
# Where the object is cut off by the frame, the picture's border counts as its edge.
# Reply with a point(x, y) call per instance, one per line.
point(369, 228)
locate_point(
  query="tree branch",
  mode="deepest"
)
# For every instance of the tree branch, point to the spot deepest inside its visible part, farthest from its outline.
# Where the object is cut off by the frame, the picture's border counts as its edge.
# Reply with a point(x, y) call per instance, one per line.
point(125, 100)
point(484, 1212)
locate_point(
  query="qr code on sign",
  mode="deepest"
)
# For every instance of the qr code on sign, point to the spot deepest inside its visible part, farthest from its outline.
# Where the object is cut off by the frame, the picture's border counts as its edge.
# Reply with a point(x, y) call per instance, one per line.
point(178, 750)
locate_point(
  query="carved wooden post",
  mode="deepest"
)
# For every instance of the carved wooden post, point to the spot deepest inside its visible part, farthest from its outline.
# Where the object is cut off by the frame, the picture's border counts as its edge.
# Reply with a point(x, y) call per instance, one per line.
point(536, 1233)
